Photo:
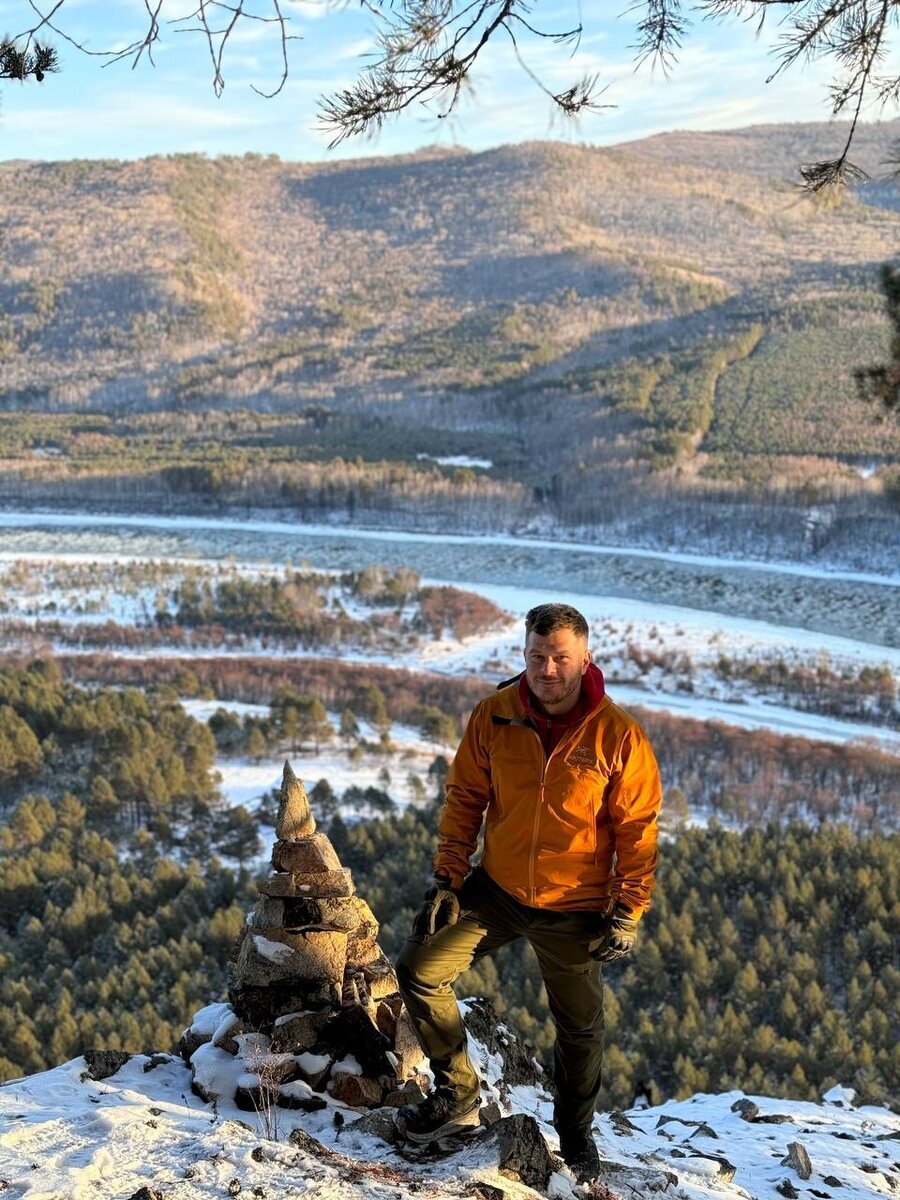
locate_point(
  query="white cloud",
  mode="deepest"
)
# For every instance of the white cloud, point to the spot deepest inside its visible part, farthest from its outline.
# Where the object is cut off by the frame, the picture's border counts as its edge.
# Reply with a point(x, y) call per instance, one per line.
point(310, 9)
point(352, 50)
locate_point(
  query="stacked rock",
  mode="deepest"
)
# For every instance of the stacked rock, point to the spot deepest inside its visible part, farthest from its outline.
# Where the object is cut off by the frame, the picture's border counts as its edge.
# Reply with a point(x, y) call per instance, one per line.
point(314, 1003)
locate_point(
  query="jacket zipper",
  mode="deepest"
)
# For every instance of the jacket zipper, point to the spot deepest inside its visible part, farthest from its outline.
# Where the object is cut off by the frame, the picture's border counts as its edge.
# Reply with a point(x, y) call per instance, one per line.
point(538, 808)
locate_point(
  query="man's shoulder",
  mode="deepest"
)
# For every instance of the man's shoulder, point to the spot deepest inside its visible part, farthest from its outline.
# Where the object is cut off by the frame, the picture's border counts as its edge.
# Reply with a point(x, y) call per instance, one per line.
point(503, 701)
point(613, 716)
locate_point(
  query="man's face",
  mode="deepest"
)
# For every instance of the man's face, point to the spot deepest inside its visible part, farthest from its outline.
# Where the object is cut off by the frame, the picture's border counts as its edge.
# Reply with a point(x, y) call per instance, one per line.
point(554, 666)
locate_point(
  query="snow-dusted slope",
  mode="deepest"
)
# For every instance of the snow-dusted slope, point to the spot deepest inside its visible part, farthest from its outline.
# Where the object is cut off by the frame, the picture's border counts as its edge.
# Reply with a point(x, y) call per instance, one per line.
point(141, 1133)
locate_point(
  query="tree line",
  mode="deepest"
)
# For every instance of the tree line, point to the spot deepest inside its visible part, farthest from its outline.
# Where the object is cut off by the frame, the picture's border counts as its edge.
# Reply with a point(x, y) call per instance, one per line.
point(738, 774)
point(769, 960)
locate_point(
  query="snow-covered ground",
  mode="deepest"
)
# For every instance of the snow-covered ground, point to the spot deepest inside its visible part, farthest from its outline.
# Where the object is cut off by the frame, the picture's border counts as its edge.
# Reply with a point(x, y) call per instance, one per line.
point(692, 639)
point(65, 1136)
point(80, 521)
point(862, 604)
point(245, 781)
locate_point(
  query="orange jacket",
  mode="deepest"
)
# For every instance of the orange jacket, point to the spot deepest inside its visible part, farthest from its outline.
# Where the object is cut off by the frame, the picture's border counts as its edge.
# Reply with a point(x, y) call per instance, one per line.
point(575, 830)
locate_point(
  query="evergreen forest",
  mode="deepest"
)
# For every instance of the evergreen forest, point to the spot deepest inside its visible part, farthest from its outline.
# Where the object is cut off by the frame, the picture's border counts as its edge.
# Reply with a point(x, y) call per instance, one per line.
point(768, 962)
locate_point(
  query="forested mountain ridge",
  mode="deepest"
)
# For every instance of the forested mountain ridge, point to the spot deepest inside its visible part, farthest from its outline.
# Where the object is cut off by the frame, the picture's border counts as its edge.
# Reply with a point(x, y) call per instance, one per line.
point(687, 318)
point(136, 268)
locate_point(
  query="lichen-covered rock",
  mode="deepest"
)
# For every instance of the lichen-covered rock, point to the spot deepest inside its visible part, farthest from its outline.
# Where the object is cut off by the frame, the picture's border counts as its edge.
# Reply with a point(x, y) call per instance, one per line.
point(377, 1123)
point(406, 1048)
point(296, 1032)
point(362, 950)
point(358, 1091)
point(632, 1180)
point(798, 1158)
point(300, 912)
point(294, 819)
point(380, 977)
point(413, 1091)
point(746, 1109)
point(328, 885)
point(311, 955)
point(310, 856)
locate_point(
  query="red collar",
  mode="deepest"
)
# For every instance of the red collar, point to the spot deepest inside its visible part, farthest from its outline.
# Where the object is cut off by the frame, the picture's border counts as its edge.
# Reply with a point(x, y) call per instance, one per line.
point(592, 692)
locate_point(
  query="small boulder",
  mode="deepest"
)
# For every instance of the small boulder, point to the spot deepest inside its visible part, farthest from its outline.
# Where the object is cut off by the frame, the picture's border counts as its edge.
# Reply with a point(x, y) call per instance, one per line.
point(298, 1031)
point(352, 1031)
point(412, 1092)
point(249, 1099)
point(519, 1063)
point(490, 1114)
point(798, 1159)
point(309, 1145)
point(356, 1091)
point(378, 1123)
point(523, 1152)
point(294, 819)
point(622, 1125)
point(746, 1109)
point(103, 1063)
point(314, 1069)
point(273, 956)
point(156, 1060)
point(311, 856)
point(380, 977)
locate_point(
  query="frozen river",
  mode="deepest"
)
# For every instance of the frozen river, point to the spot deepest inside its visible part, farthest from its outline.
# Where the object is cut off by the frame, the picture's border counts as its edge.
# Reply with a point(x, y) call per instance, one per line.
point(858, 607)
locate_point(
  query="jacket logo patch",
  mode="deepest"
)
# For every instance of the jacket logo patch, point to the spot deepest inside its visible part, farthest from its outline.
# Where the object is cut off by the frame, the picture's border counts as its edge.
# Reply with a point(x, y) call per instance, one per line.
point(583, 756)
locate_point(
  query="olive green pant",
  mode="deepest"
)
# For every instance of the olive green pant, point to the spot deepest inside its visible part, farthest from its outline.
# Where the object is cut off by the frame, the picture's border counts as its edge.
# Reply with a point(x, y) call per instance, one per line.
point(427, 966)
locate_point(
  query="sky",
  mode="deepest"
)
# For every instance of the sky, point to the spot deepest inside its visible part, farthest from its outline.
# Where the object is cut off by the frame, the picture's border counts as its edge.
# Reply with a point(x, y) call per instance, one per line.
point(99, 109)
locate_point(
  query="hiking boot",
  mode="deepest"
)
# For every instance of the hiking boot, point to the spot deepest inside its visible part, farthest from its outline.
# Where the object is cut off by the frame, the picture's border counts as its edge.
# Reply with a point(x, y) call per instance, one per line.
point(440, 1114)
point(579, 1153)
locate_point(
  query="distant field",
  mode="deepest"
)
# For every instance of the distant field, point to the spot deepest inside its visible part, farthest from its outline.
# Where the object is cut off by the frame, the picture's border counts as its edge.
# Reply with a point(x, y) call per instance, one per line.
point(795, 395)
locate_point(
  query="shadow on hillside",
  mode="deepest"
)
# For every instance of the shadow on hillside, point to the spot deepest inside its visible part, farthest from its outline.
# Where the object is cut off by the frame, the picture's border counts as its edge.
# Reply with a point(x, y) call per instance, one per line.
point(535, 278)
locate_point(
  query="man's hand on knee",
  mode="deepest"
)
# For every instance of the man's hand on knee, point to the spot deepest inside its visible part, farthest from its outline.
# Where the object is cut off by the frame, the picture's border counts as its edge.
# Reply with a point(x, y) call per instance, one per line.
point(441, 907)
point(615, 936)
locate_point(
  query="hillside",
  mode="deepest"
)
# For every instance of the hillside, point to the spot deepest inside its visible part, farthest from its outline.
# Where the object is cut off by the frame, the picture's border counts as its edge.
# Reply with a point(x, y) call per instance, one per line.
point(686, 320)
point(139, 1134)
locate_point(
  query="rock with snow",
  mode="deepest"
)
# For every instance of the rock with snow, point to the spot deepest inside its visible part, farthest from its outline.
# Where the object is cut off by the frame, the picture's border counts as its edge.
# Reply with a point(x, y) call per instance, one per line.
point(140, 1129)
point(524, 1154)
point(797, 1158)
point(310, 981)
point(745, 1109)
point(103, 1063)
point(516, 1058)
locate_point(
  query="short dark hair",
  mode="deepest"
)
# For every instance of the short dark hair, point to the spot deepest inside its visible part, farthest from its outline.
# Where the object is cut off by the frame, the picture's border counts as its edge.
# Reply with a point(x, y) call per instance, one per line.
point(544, 619)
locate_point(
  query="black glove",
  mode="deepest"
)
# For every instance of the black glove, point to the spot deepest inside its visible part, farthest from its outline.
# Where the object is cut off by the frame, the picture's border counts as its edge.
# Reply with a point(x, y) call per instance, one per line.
point(441, 908)
point(615, 936)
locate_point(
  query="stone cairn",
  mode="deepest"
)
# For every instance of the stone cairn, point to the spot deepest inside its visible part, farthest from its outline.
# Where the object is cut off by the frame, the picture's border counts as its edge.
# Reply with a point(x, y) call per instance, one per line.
point(314, 1005)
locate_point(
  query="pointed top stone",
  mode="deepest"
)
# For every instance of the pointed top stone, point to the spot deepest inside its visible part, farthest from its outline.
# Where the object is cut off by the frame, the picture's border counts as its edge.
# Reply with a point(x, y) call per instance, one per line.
point(294, 820)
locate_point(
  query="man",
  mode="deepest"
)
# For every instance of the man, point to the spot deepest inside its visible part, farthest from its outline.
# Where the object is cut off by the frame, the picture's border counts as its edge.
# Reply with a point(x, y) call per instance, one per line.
point(568, 790)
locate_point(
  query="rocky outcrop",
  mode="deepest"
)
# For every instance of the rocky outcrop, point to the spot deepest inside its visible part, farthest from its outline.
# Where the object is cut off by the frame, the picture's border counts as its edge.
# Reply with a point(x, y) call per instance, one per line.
point(314, 1004)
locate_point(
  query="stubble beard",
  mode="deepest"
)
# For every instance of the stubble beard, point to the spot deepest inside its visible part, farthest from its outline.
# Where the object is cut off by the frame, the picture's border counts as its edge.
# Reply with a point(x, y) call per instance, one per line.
point(570, 693)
